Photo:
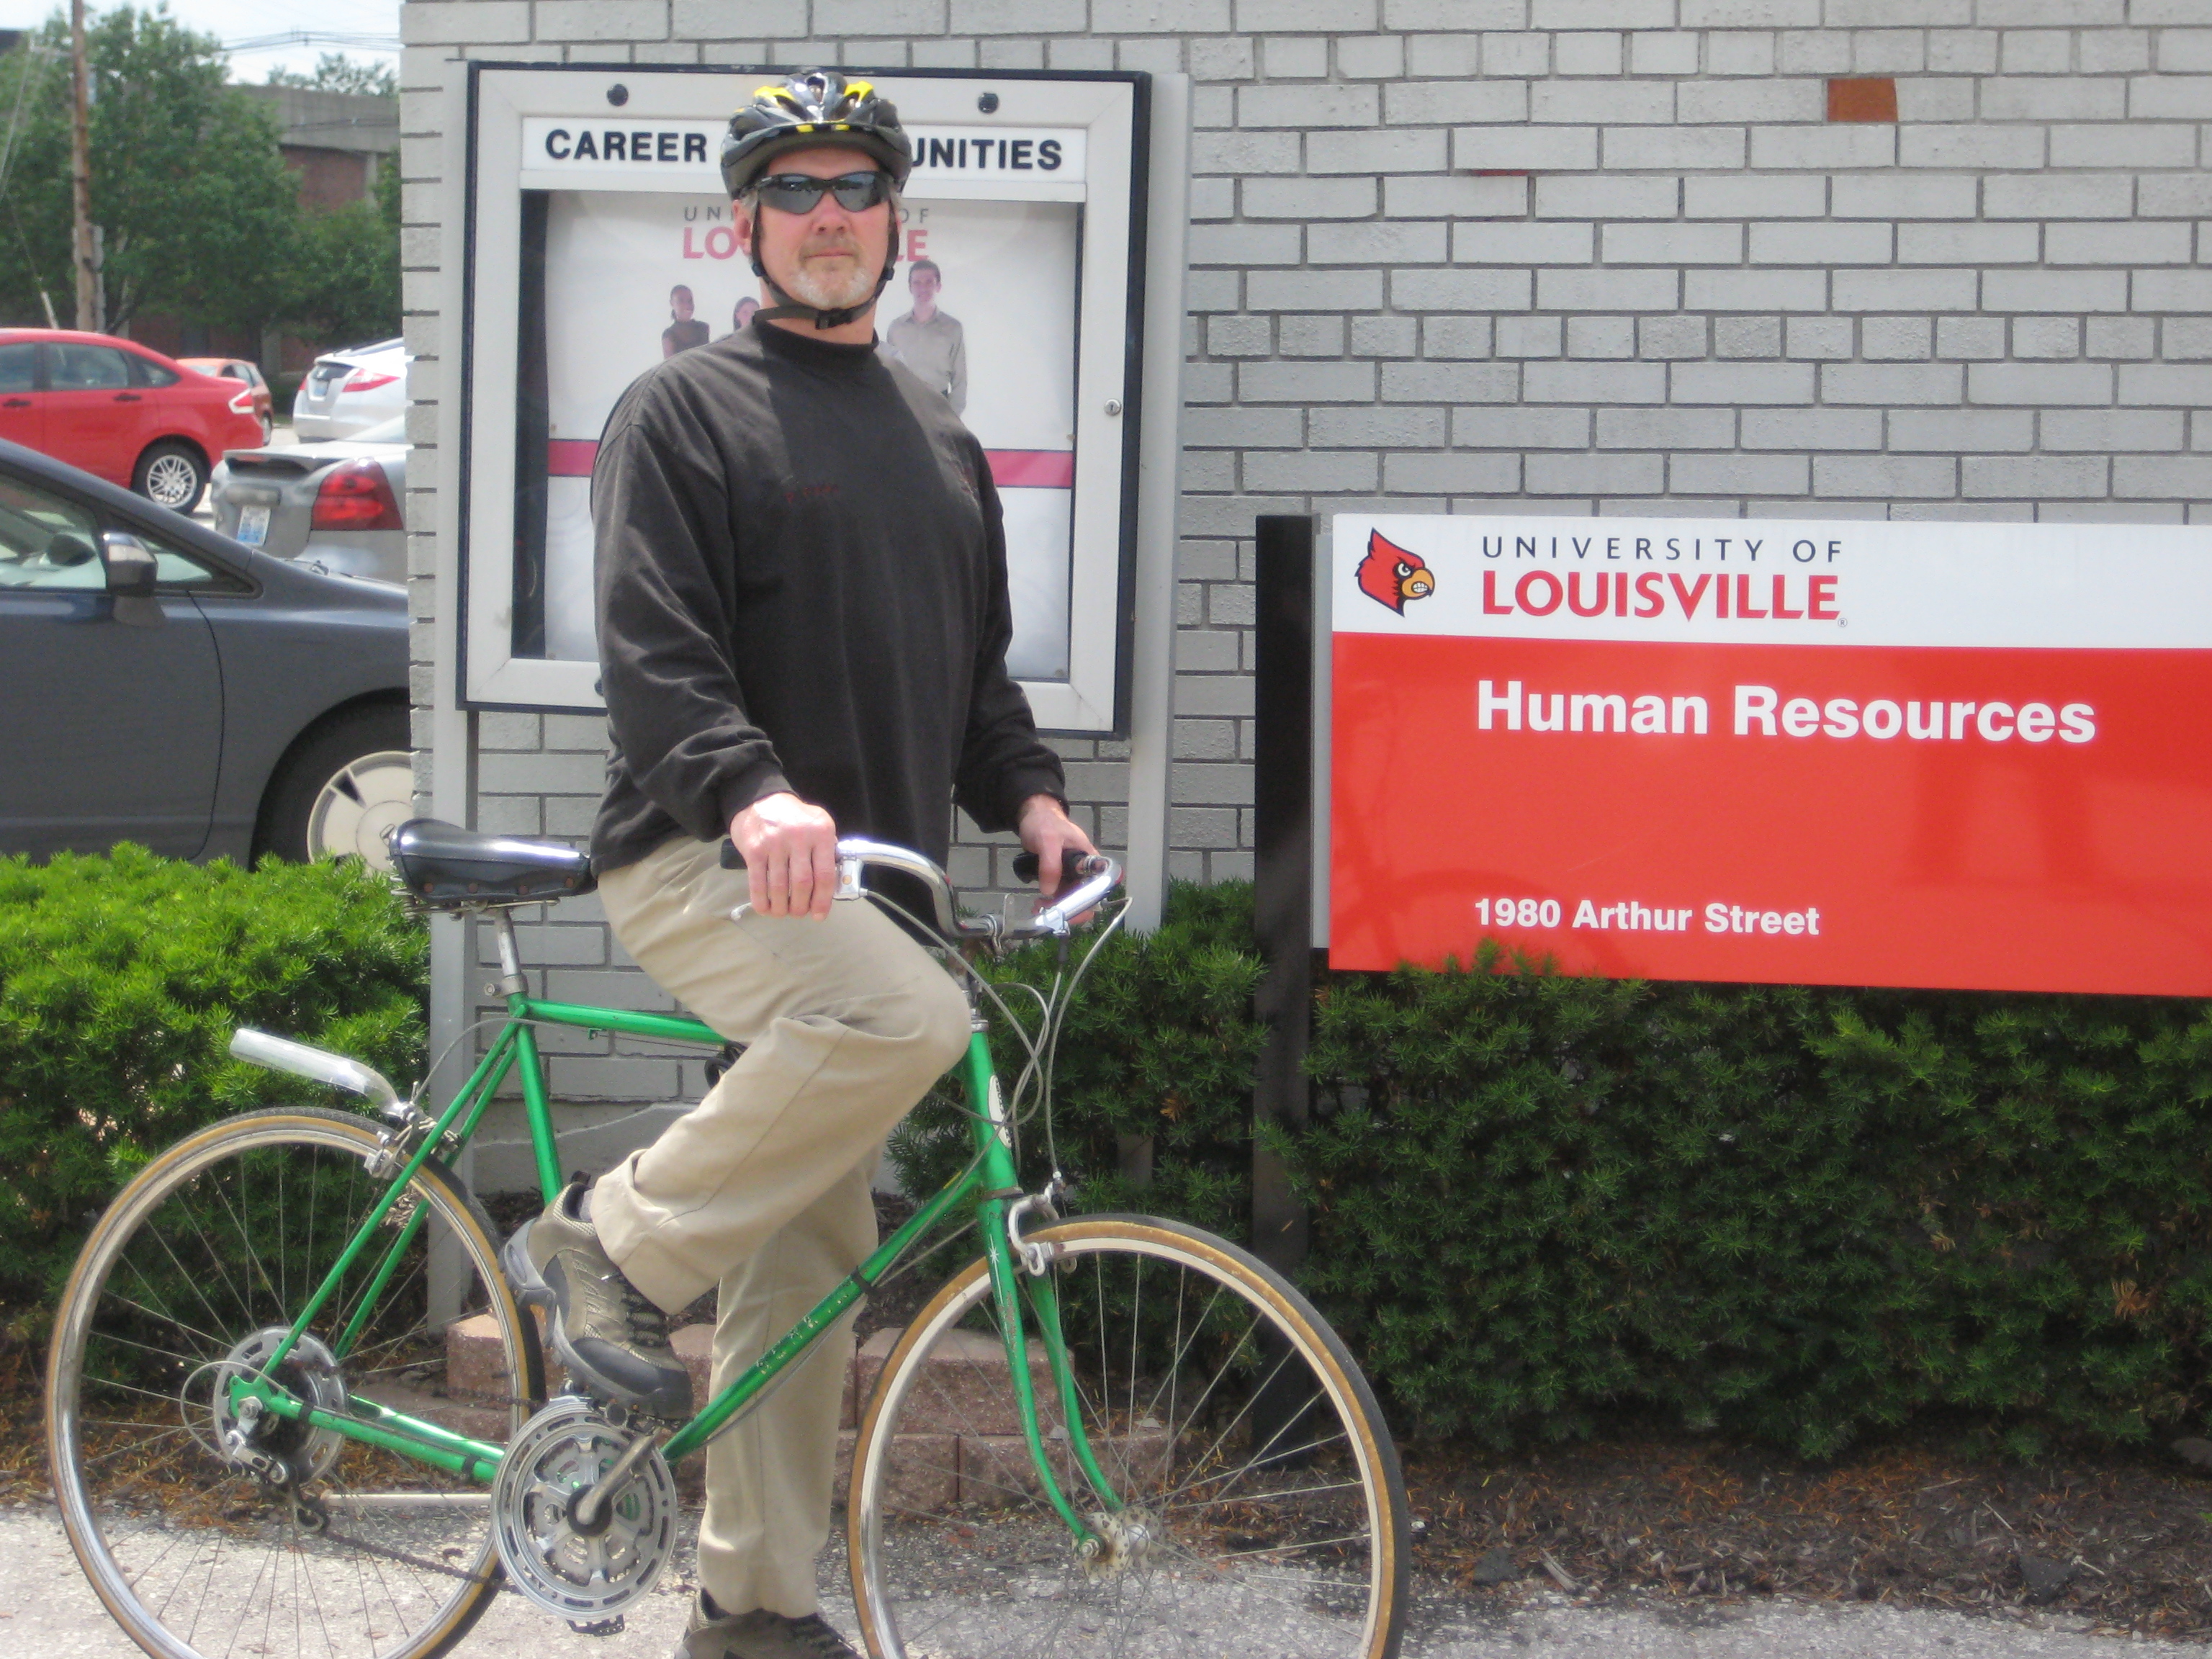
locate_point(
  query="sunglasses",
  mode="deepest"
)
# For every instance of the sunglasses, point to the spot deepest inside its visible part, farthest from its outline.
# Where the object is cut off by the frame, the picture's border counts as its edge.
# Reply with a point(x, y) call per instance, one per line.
point(799, 192)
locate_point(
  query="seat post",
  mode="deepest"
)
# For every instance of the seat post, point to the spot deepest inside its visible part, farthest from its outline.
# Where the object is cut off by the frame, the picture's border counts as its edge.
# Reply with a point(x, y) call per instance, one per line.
point(511, 982)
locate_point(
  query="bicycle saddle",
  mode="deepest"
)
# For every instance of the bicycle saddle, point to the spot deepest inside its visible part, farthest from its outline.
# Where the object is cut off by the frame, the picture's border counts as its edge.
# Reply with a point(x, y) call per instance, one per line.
point(446, 866)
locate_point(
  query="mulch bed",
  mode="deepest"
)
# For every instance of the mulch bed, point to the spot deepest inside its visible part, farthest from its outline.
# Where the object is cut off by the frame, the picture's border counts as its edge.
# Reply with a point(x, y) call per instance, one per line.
point(2119, 1544)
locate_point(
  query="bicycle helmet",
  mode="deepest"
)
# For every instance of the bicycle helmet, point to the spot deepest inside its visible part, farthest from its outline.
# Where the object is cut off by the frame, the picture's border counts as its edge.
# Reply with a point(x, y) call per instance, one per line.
point(815, 106)
point(812, 108)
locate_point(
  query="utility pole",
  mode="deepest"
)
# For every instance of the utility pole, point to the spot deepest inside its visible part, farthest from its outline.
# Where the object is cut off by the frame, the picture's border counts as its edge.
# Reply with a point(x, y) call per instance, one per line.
point(84, 255)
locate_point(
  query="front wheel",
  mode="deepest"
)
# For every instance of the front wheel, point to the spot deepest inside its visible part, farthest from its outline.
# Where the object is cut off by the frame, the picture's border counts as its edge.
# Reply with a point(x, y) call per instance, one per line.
point(1254, 1502)
point(331, 1547)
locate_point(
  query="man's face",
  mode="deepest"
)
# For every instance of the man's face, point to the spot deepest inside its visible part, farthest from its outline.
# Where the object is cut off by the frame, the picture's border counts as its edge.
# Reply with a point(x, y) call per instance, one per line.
point(828, 258)
point(923, 285)
point(679, 303)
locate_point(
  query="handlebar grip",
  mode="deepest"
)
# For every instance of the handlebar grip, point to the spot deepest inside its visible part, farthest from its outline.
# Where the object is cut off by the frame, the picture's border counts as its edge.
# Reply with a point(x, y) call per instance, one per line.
point(731, 859)
point(1071, 866)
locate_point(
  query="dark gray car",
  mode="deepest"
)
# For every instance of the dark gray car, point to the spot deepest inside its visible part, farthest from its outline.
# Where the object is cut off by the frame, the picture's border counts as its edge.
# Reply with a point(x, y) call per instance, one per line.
point(160, 683)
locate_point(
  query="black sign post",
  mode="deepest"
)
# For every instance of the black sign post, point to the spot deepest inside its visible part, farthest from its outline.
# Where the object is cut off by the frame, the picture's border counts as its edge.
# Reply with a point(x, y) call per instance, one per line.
point(1282, 834)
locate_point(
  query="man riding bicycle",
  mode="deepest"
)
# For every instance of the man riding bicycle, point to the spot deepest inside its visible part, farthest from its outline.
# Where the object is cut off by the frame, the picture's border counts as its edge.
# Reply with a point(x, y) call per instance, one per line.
point(803, 625)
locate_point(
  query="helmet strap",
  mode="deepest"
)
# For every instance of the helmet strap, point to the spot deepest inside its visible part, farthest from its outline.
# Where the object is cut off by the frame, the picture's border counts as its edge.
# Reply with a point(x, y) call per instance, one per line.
point(785, 306)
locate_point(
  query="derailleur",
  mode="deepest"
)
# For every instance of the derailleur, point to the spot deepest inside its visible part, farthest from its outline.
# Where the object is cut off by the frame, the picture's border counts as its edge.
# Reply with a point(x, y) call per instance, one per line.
point(281, 1475)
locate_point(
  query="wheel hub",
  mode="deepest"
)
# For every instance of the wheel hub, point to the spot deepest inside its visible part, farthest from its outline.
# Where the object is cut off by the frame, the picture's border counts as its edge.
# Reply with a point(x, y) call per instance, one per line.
point(247, 1434)
point(555, 1459)
point(1122, 1543)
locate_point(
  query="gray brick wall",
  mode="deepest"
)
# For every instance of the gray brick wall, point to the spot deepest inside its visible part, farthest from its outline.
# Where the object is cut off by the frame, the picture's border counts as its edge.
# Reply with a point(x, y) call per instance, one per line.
point(1568, 256)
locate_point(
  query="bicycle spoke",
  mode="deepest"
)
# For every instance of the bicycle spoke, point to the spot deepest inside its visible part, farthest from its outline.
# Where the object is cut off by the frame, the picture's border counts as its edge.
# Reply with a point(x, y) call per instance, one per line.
point(215, 1344)
point(214, 1318)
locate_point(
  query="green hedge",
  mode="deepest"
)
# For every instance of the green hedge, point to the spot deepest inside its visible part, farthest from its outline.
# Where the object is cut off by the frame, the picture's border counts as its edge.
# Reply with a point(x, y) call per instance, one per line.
point(1786, 1213)
point(121, 980)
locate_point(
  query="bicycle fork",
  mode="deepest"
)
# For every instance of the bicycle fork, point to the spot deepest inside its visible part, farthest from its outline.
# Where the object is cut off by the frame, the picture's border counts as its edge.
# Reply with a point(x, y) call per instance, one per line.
point(1021, 1270)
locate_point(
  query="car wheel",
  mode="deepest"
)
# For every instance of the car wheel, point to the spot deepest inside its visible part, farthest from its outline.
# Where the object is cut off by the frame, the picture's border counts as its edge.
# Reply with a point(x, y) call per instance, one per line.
point(172, 474)
point(268, 430)
point(342, 788)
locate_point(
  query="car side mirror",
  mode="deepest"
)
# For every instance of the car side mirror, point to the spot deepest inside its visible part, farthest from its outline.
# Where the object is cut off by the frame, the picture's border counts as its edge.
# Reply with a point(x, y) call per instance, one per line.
point(130, 574)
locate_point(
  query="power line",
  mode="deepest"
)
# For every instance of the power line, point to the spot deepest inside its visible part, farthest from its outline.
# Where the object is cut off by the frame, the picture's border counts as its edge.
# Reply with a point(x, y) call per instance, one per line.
point(312, 37)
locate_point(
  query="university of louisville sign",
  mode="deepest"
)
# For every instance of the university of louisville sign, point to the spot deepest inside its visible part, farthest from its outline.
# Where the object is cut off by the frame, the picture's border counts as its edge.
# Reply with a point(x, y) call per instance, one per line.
point(1975, 755)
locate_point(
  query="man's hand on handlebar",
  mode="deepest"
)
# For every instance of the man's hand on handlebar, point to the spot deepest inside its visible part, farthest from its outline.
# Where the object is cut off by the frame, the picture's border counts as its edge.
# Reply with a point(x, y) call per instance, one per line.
point(1048, 832)
point(790, 849)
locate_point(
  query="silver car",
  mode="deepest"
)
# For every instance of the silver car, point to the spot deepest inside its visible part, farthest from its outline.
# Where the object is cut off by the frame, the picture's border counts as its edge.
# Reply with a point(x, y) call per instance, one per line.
point(340, 506)
point(346, 392)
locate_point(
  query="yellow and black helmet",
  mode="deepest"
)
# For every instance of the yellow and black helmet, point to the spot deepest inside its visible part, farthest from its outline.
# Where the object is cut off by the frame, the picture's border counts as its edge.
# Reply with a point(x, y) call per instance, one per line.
point(814, 106)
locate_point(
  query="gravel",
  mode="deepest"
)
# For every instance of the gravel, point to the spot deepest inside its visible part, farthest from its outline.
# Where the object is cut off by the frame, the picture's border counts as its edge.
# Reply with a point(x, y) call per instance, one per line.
point(47, 1609)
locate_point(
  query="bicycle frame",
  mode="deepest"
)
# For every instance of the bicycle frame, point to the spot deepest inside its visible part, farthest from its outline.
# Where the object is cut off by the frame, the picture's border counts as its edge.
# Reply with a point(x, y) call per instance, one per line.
point(990, 1182)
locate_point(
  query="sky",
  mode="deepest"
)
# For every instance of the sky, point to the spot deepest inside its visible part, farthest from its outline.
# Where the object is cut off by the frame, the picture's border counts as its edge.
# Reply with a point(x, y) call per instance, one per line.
point(240, 23)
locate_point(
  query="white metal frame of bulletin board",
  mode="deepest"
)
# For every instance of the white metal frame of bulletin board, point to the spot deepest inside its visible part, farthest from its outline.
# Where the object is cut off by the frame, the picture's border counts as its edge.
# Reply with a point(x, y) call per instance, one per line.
point(598, 241)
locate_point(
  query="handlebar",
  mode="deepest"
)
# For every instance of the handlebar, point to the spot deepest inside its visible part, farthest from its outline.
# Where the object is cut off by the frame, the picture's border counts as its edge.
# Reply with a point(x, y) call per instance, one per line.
point(1100, 875)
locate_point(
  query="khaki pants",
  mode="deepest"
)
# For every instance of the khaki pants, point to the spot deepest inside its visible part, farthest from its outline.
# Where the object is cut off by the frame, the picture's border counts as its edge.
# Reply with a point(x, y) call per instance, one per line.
point(763, 1188)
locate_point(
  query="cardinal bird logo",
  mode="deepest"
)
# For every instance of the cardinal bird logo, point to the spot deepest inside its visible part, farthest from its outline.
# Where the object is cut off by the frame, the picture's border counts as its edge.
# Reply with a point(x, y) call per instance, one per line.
point(1390, 575)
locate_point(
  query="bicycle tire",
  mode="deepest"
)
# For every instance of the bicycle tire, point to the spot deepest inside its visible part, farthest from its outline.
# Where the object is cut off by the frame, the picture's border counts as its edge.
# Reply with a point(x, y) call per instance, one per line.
point(1300, 1549)
point(222, 1236)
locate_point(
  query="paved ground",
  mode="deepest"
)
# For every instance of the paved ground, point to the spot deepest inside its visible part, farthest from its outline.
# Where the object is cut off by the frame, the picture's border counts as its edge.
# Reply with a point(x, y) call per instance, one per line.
point(47, 1610)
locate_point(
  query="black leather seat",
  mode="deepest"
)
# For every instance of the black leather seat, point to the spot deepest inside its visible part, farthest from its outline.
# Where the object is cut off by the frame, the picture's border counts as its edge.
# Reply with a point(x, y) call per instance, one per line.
point(446, 866)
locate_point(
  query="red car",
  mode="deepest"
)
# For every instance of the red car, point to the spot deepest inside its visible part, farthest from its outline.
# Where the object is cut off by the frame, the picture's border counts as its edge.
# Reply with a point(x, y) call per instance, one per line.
point(120, 412)
point(239, 368)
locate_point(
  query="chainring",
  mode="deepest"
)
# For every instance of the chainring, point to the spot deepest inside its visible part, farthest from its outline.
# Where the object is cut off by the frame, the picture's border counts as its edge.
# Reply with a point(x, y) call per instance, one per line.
point(553, 1461)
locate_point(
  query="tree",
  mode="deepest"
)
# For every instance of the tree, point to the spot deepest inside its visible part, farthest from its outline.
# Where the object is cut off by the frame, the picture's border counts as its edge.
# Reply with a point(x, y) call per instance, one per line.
point(345, 276)
point(198, 210)
point(336, 72)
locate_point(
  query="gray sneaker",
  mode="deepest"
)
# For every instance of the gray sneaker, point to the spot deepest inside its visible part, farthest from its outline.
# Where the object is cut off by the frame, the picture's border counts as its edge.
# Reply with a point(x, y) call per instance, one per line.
point(714, 1634)
point(610, 1337)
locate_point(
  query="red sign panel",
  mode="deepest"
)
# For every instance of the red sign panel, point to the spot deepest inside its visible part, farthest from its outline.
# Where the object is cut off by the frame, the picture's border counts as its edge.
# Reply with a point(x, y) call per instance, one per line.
point(1943, 756)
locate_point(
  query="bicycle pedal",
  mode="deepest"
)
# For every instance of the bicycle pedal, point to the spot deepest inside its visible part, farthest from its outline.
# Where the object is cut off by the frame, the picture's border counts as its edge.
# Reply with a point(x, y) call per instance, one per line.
point(613, 1627)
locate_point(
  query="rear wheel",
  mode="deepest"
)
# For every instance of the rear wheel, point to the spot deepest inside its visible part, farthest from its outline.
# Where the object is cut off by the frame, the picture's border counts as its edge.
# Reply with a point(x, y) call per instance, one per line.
point(333, 1547)
point(345, 786)
point(1255, 1506)
point(171, 474)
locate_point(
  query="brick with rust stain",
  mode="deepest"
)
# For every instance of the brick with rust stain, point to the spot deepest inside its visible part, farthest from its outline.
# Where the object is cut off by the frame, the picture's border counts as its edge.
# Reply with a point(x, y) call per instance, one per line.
point(1862, 98)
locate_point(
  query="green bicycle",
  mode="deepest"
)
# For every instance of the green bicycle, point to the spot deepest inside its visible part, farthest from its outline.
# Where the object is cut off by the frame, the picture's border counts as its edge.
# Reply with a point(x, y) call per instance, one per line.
point(294, 1408)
